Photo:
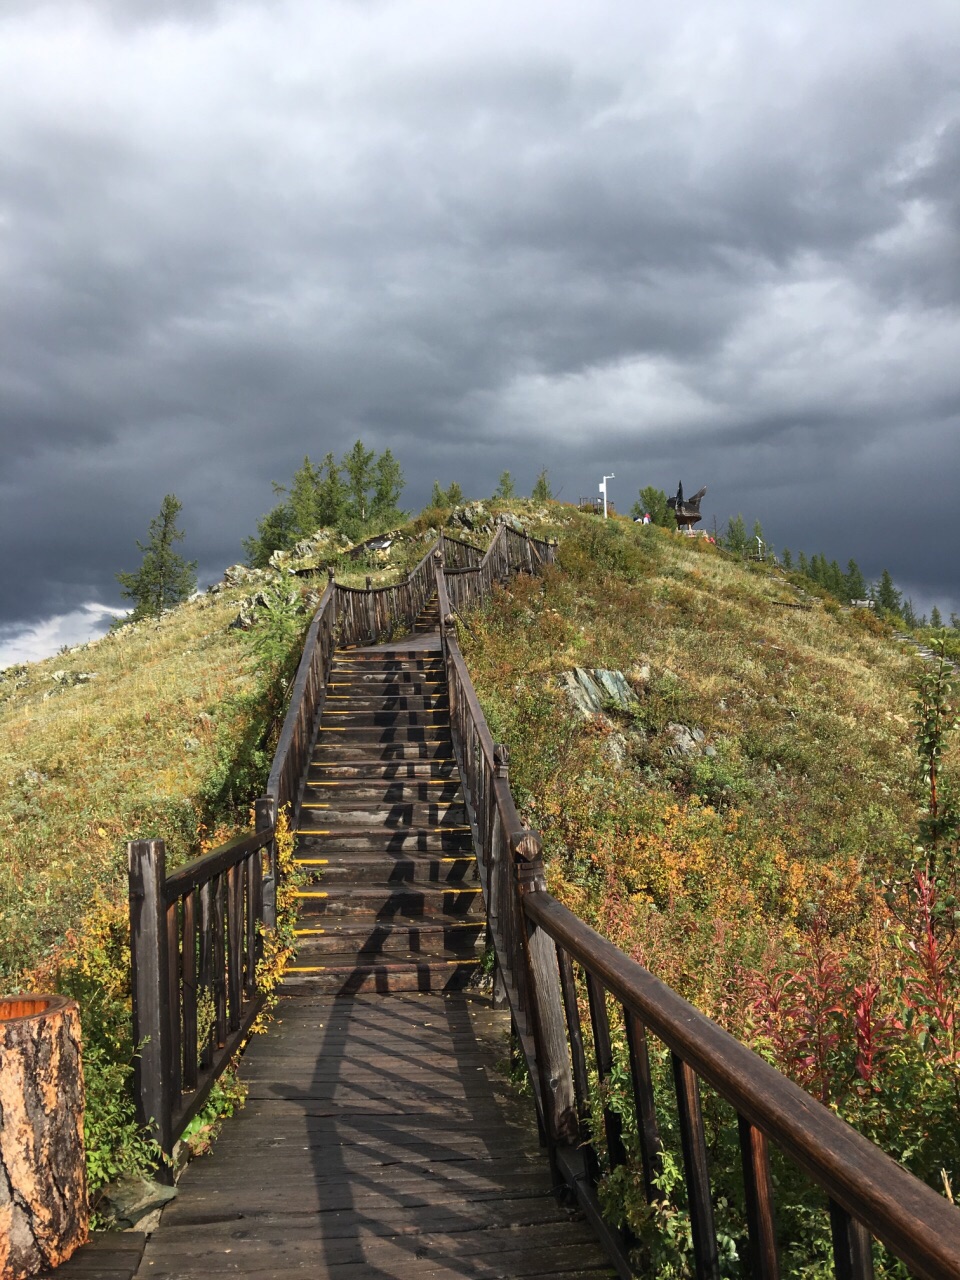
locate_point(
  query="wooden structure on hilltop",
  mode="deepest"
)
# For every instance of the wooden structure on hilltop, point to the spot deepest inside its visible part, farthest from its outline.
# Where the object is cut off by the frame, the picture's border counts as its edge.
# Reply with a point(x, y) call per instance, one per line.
point(686, 512)
point(376, 1136)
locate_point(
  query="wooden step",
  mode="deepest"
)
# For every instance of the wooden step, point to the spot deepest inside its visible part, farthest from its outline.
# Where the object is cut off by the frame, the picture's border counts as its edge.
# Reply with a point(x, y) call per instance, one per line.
point(362, 698)
point(363, 770)
point(360, 868)
point(349, 752)
point(390, 901)
point(382, 791)
point(324, 842)
point(373, 936)
point(386, 681)
point(337, 720)
point(352, 815)
point(349, 978)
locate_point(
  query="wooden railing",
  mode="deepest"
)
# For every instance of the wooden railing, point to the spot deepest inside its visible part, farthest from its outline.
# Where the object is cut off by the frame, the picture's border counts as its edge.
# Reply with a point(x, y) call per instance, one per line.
point(307, 696)
point(541, 950)
point(372, 615)
point(468, 584)
point(195, 940)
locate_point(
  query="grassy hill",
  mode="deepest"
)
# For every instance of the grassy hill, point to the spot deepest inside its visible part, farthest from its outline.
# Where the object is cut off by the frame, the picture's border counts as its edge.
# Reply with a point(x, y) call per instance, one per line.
point(746, 826)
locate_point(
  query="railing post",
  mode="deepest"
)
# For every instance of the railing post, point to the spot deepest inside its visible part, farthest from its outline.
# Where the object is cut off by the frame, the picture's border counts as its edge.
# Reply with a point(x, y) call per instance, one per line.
point(150, 984)
point(265, 811)
point(546, 1012)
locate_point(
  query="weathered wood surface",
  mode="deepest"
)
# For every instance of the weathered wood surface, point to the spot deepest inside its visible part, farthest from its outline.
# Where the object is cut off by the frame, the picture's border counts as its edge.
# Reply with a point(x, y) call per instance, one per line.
point(43, 1186)
point(110, 1255)
point(380, 1139)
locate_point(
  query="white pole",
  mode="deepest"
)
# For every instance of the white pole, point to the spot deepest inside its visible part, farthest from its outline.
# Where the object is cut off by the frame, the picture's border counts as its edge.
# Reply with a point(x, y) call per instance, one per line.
point(603, 490)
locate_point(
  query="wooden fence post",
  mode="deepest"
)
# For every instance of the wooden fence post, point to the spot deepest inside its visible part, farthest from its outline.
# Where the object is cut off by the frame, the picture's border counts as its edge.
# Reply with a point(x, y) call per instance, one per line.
point(549, 1024)
point(265, 810)
point(150, 980)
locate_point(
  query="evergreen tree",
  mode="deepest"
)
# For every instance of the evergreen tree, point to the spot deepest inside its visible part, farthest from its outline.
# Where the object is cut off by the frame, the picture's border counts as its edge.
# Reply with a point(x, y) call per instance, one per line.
point(955, 621)
point(332, 497)
point(803, 565)
point(736, 536)
point(454, 495)
point(888, 598)
point(506, 488)
point(787, 559)
point(855, 584)
point(358, 465)
point(541, 488)
point(322, 497)
point(835, 583)
point(653, 502)
point(909, 615)
point(387, 488)
point(164, 577)
point(935, 619)
point(438, 497)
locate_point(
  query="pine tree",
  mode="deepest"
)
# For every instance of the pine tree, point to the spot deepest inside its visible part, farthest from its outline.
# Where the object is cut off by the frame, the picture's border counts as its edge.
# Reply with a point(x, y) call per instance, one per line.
point(854, 582)
point(454, 495)
point(787, 559)
point(506, 488)
point(936, 621)
point(803, 564)
point(438, 497)
point(332, 496)
point(736, 536)
point(387, 488)
point(541, 488)
point(164, 577)
point(888, 598)
point(835, 581)
point(358, 464)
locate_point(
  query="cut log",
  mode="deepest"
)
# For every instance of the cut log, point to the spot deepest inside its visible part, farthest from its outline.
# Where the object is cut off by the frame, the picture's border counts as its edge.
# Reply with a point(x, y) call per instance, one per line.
point(44, 1213)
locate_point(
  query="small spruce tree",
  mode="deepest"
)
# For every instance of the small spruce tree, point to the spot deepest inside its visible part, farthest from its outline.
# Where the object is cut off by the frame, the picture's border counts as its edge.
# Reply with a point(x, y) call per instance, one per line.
point(736, 536)
point(854, 582)
point(541, 488)
point(506, 487)
point(888, 598)
point(787, 558)
point(164, 577)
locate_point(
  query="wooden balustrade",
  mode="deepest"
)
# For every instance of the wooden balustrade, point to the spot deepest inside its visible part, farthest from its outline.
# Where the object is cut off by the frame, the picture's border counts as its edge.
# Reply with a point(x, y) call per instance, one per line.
point(195, 940)
point(541, 946)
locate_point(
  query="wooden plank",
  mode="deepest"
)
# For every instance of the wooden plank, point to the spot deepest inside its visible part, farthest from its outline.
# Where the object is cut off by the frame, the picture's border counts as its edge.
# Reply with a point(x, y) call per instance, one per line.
point(363, 1159)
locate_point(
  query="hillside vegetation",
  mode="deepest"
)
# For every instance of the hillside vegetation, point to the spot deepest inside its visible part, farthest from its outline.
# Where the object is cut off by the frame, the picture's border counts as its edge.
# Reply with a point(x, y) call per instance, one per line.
point(746, 827)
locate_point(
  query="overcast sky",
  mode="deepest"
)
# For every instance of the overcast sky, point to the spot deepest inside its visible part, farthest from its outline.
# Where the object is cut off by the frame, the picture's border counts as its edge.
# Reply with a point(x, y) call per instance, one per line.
point(714, 242)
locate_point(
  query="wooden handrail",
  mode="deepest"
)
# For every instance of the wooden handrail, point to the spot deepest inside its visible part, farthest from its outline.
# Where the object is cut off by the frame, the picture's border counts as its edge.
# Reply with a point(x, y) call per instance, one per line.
point(195, 936)
point(869, 1194)
point(917, 1224)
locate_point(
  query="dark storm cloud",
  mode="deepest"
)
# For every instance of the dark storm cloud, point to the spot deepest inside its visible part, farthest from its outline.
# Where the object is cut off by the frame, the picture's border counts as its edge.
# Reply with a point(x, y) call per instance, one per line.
point(676, 242)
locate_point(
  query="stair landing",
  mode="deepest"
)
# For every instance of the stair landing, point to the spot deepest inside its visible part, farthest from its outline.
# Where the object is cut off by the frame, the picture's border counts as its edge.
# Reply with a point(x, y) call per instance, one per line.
point(381, 1137)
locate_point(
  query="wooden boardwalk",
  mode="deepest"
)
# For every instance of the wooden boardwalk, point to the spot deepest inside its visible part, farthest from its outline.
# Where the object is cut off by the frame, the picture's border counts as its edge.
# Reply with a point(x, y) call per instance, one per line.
point(381, 1138)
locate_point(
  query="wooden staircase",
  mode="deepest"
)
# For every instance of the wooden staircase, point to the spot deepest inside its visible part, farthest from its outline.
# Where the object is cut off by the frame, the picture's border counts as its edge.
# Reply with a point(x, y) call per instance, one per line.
point(428, 619)
point(392, 897)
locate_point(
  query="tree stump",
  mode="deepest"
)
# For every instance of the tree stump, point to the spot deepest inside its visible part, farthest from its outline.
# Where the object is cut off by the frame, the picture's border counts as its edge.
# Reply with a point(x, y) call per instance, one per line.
point(44, 1214)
